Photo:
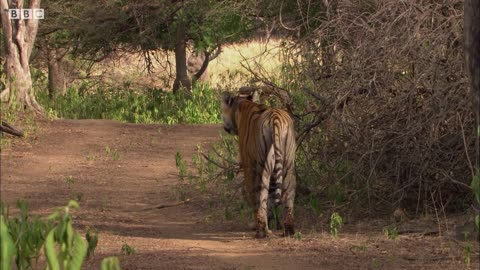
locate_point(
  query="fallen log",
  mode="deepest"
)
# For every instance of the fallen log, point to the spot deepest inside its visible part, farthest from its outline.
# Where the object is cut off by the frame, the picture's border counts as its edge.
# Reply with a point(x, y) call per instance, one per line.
point(9, 129)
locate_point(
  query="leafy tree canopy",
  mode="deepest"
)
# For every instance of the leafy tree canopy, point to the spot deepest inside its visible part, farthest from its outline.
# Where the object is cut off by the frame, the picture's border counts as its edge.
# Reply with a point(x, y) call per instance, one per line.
point(95, 29)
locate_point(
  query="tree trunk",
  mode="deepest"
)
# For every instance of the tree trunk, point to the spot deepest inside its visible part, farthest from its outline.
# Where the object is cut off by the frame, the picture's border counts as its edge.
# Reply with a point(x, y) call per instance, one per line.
point(56, 73)
point(472, 58)
point(197, 65)
point(181, 80)
point(472, 45)
point(19, 38)
point(200, 71)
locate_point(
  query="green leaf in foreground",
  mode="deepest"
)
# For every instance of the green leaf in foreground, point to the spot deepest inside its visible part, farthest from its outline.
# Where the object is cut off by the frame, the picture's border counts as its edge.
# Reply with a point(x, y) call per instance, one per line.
point(111, 263)
point(79, 252)
point(6, 245)
point(52, 260)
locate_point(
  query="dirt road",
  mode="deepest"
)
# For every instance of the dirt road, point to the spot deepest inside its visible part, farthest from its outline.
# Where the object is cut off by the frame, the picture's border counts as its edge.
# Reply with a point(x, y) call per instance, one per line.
point(115, 169)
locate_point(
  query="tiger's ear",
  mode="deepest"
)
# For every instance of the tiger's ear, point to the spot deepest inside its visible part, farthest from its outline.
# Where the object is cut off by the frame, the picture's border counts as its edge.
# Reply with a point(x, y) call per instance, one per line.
point(254, 97)
point(227, 98)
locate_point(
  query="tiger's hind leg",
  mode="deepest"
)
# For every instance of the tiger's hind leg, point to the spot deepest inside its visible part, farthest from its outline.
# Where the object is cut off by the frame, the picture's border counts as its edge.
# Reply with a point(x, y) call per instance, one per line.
point(288, 200)
point(263, 183)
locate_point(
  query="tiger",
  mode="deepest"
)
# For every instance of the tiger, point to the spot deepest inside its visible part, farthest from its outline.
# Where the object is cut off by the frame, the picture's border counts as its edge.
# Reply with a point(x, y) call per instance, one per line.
point(266, 139)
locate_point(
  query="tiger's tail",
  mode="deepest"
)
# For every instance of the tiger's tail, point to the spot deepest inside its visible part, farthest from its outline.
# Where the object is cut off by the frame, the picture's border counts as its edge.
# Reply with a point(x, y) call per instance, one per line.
point(278, 155)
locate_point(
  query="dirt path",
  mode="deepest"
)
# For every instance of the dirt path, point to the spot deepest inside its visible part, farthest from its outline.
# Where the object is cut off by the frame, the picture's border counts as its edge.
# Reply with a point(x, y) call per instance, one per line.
point(76, 159)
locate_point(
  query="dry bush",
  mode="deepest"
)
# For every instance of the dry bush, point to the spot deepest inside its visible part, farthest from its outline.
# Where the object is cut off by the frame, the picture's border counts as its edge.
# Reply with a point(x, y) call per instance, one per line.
point(388, 101)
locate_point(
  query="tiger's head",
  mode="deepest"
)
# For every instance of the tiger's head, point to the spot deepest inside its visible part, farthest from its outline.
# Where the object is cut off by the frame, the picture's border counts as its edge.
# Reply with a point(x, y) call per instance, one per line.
point(229, 106)
point(230, 103)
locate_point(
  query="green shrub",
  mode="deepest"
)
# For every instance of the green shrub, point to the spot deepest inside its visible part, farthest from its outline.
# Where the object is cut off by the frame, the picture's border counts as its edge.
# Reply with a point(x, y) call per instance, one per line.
point(111, 263)
point(149, 106)
point(475, 185)
point(63, 245)
point(336, 223)
point(7, 245)
point(127, 249)
point(92, 240)
point(213, 173)
point(23, 238)
point(27, 233)
point(390, 233)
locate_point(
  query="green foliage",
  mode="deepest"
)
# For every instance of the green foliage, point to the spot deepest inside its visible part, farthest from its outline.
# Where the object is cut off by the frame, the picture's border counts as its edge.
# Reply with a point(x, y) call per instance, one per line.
point(92, 240)
point(297, 236)
point(475, 185)
point(6, 244)
point(215, 22)
point(27, 233)
point(477, 223)
point(315, 205)
point(91, 157)
point(115, 154)
point(70, 180)
point(336, 223)
point(329, 179)
point(181, 164)
point(276, 211)
point(63, 245)
point(111, 263)
point(228, 214)
point(127, 249)
point(107, 150)
point(212, 173)
point(151, 106)
point(22, 238)
point(204, 22)
point(467, 257)
point(390, 233)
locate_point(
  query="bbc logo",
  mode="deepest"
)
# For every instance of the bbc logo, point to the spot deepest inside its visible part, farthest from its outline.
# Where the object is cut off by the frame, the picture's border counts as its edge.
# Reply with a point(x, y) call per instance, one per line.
point(26, 14)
